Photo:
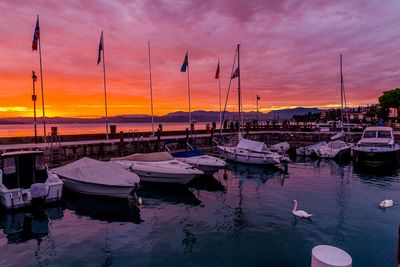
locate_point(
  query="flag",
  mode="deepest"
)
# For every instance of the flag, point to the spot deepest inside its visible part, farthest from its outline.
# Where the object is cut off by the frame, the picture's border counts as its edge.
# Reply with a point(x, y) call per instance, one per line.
point(101, 48)
point(36, 35)
point(235, 74)
point(217, 73)
point(258, 97)
point(185, 63)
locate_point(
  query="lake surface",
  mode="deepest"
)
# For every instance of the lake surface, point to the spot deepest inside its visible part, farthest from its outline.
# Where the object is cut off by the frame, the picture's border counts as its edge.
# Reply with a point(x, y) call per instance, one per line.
point(13, 130)
point(244, 220)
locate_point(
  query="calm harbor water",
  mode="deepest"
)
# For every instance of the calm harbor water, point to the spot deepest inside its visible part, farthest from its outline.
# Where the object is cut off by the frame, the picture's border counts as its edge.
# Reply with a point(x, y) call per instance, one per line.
point(244, 220)
point(11, 130)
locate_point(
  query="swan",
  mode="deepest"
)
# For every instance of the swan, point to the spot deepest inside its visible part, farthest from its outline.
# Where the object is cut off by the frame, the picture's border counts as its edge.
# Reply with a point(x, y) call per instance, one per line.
point(300, 213)
point(387, 203)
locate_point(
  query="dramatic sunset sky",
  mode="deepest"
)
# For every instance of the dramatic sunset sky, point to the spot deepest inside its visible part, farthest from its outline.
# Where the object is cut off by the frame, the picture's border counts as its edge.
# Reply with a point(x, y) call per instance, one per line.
point(289, 53)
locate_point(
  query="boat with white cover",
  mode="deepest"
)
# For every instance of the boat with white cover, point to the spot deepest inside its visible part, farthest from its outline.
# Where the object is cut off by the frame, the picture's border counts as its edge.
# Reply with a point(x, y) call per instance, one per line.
point(197, 158)
point(377, 147)
point(251, 152)
point(24, 178)
point(159, 167)
point(280, 148)
point(309, 150)
point(334, 149)
point(94, 177)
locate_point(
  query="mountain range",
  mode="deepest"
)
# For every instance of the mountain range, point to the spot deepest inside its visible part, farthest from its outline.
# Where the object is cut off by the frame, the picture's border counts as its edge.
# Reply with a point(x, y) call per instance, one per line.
point(179, 116)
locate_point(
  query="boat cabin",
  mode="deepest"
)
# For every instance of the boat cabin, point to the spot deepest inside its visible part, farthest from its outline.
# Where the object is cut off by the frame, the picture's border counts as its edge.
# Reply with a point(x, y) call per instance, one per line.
point(378, 132)
point(21, 169)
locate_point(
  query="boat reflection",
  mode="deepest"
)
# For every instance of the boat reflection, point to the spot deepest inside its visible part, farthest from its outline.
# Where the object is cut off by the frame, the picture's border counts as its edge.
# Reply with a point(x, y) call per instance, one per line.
point(154, 193)
point(256, 172)
point(33, 223)
point(207, 182)
point(101, 208)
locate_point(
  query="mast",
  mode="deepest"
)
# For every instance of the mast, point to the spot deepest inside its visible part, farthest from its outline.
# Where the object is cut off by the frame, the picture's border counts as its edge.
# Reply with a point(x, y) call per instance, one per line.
point(34, 78)
point(239, 88)
point(343, 97)
point(188, 85)
point(41, 85)
point(151, 92)
point(219, 89)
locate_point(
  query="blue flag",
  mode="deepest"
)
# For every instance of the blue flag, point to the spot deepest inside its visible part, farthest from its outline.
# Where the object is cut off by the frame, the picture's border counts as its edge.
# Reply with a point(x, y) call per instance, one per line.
point(101, 48)
point(185, 63)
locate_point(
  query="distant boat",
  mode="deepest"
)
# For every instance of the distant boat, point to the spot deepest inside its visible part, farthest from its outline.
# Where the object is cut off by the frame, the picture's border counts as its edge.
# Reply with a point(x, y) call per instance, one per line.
point(377, 147)
point(280, 148)
point(309, 150)
point(24, 178)
point(197, 158)
point(94, 177)
point(159, 167)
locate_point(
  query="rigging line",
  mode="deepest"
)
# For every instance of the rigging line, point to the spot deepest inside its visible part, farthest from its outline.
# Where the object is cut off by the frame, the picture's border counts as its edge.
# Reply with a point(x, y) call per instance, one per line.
point(227, 95)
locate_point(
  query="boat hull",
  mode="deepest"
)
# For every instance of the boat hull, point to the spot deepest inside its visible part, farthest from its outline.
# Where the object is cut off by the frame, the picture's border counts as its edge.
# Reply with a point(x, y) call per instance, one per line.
point(208, 165)
point(373, 158)
point(18, 198)
point(156, 177)
point(97, 189)
point(248, 157)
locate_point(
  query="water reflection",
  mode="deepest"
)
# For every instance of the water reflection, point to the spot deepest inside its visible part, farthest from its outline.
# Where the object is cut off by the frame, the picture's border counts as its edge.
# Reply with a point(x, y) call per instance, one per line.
point(207, 182)
point(32, 224)
point(103, 209)
point(158, 193)
point(256, 172)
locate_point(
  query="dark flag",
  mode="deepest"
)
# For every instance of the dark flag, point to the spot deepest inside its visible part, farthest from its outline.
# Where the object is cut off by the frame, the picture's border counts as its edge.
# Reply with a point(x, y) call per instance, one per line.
point(235, 74)
point(217, 72)
point(258, 97)
point(101, 48)
point(185, 63)
point(36, 35)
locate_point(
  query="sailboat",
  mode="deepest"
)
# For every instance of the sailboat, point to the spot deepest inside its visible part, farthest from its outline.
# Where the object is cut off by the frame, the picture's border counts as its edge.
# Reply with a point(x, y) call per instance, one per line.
point(337, 148)
point(248, 151)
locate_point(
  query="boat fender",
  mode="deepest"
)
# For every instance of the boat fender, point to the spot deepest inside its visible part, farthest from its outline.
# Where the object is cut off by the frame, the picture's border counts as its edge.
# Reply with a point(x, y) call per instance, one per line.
point(265, 157)
point(247, 155)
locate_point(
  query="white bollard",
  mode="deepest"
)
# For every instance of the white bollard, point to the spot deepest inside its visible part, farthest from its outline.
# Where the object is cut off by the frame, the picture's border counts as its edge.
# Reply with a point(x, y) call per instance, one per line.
point(329, 256)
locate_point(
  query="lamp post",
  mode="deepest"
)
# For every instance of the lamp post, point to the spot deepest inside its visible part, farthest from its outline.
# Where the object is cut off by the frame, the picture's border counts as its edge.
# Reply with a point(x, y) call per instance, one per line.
point(257, 99)
point(34, 78)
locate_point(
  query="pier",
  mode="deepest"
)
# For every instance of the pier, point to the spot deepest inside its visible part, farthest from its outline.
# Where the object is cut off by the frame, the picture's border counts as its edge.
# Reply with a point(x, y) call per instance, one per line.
point(63, 149)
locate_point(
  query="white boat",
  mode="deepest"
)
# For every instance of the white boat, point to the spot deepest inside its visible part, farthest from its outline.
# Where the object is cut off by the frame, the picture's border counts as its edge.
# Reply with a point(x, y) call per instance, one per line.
point(159, 167)
point(309, 150)
point(197, 158)
point(24, 178)
point(251, 152)
point(377, 147)
point(93, 177)
point(280, 148)
point(334, 149)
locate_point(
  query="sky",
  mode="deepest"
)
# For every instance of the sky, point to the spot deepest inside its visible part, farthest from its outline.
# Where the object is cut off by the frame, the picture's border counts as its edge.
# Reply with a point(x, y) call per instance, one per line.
point(289, 54)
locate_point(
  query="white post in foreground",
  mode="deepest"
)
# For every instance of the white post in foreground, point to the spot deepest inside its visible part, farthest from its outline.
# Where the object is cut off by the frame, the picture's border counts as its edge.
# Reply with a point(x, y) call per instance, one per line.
point(329, 256)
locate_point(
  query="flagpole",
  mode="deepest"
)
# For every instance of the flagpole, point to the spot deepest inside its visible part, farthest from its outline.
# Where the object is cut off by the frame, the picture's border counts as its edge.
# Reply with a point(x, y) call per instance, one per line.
point(188, 82)
point(41, 87)
point(151, 92)
point(105, 86)
point(34, 103)
point(219, 89)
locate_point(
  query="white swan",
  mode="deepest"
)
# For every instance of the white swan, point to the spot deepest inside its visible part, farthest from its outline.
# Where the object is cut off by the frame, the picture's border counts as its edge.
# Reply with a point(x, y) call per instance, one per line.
point(300, 213)
point(387, 203)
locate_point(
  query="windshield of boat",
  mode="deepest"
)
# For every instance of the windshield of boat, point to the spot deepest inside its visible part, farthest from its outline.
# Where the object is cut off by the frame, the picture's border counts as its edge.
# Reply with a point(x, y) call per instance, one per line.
point(369, 134)
point(384, 134)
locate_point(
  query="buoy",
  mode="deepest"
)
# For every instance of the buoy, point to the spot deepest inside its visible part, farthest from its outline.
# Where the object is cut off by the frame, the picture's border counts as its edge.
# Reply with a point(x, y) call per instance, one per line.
point(329, 256)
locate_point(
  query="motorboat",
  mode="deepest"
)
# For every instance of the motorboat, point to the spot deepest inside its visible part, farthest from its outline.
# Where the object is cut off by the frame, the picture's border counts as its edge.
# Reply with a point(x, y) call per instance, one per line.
point(377, 147)
point(334, 149)
point(24, 179)
point(159, 167)
point(309, 150)
point(197, 158)
point(99, 178)
point(251, 152)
